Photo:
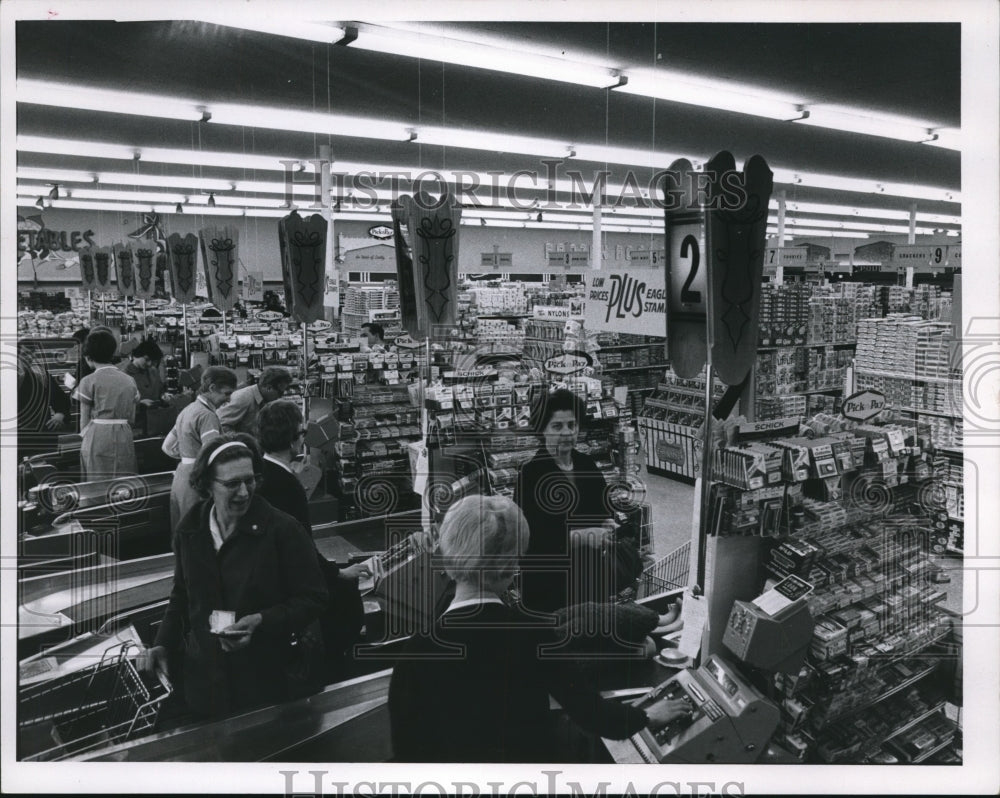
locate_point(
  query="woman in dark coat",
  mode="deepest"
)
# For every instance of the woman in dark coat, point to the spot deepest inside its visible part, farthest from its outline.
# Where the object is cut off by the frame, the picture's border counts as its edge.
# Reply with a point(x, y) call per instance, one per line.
point(235, 553)
point(564, 498)
point(476, 687)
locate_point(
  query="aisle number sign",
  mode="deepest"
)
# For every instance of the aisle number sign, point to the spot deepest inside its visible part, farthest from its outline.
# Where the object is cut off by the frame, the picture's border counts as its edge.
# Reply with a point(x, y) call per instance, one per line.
point(784, 256)
point(925, 256)
point(627, 301)
point(688, 271)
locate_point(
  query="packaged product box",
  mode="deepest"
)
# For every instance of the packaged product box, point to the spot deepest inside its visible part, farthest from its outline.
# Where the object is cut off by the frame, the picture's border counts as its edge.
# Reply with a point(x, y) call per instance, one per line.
point(322, 432)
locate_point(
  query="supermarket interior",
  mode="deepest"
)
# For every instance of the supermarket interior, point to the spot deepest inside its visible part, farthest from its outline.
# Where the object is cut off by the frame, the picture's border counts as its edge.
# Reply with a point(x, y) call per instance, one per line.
point(641, 343)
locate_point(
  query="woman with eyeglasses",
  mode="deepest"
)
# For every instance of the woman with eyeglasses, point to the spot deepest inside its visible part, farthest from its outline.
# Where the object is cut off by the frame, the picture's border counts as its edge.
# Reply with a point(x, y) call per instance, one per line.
point(246, 578)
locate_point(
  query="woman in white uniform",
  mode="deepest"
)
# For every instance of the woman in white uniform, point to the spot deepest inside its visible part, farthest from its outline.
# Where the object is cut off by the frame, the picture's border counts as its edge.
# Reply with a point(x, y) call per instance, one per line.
point(108, 398)
point(195, 425)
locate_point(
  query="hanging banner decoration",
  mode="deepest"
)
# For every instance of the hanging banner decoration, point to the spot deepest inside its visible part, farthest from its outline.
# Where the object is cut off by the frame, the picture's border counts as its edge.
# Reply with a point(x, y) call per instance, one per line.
point(88, 269)
point(125, 267)
point(434, 233)
point(150, 230)
point(254, 286)
point(162, 272)
point(220, 253)
point(145, 273)
point(182, 254)
point(102, 270)
point(686, 280)
point(405, 278)
point(736, 242)
point(305, 257)
point(626, 301)
point(286, 267)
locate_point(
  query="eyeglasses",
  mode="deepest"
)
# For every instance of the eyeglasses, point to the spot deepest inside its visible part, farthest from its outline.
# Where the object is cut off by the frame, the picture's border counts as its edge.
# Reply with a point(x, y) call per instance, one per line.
point(233, 485)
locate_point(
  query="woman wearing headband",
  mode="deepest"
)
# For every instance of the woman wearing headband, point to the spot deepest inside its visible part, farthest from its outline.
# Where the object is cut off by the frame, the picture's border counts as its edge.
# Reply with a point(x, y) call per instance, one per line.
point(246, 578)
point(196, 425)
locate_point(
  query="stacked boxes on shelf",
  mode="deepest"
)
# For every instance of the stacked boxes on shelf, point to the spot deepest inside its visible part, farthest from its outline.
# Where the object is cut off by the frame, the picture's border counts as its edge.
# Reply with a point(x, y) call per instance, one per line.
point(784, 314)
point(503, 301)
point(371, 303)
point(543, 338)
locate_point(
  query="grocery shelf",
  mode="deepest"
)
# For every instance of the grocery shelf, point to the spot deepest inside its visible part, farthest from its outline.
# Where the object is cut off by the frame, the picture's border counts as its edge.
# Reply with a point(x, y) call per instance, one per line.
point(910, 724)
point(923, 412)
point(934, 750)
point(892, 375)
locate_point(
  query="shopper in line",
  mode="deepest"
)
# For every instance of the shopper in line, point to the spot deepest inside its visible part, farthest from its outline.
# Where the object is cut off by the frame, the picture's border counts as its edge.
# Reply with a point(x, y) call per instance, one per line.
point(373, 337)
point(564, 497)
point(475, 688)
point(235, 553)
point(143, 366)
point(281, 432)
point(108, 398)
point(196, 425)
point(240, 415)
point(43, 408)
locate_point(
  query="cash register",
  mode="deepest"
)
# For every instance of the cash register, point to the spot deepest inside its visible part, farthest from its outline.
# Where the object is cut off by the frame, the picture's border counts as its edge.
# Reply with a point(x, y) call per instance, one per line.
point(729, 722)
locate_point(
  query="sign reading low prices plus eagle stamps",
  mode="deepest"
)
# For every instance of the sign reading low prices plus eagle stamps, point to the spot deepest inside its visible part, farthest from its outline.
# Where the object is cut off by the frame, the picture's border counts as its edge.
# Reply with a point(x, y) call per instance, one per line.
point(627, 301)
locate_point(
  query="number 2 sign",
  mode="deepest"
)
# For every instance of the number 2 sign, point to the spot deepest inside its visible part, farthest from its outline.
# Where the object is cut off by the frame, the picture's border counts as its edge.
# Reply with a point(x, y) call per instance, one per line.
point(687, 278)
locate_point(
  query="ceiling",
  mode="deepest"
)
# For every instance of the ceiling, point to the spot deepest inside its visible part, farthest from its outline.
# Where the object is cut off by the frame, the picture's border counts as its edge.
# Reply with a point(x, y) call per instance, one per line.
point(909, 69)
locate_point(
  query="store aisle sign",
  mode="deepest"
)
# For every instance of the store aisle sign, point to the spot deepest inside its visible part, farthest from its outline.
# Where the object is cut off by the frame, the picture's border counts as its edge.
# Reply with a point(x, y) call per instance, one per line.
point(863, 405)
point(934, 256)
point(627, 301)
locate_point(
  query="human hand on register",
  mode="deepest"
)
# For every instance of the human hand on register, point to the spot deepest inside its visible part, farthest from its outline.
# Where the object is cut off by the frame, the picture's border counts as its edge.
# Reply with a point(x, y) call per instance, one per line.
point(670, 621)
point(662, 712)
point(237, 635)
point(359, 570)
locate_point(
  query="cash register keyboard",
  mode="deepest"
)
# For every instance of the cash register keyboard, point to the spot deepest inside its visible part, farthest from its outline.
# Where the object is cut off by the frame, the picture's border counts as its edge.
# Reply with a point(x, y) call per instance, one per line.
point(643, 749)
point(711, 709)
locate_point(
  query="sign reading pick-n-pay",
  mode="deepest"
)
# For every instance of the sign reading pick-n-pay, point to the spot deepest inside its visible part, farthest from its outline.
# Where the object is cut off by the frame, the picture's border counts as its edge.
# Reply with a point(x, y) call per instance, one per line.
point(627, 301)
point(863, 405)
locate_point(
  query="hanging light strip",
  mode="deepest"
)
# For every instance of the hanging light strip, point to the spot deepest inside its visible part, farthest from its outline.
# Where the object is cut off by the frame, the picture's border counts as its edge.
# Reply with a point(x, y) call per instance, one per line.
point(335, 124)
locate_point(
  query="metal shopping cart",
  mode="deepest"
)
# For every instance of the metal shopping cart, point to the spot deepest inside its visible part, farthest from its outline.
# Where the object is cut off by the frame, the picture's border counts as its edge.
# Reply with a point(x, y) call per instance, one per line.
point(669, 573)
point(104, 704)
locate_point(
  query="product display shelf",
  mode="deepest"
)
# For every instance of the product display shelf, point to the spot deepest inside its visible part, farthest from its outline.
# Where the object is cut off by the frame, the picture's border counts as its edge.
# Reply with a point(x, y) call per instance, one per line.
point(910, 724)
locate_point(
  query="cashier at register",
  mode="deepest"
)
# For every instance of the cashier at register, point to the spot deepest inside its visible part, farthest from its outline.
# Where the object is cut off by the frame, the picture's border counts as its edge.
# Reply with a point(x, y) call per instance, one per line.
point(475, 689)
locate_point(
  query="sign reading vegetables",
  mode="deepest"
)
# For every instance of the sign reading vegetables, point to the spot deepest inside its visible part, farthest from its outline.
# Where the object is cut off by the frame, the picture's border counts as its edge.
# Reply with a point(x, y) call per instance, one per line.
point(627, 301)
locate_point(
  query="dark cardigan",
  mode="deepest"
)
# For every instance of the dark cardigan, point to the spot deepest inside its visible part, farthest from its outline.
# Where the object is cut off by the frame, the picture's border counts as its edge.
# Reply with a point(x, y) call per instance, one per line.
point(268, 565)
point(555, 502)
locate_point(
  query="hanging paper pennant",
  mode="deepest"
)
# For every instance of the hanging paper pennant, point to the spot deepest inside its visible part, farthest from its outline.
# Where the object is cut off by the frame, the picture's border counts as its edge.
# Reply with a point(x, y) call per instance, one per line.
point(254, 286)
point(736, 240)
point(150, 230)
point(102, 270)
point(286, 266)
point(687, 266)
point(433, 226)
point(219, 250)
point(305, 259)
point(401, 209)
point(88, 269)
point(182, 255)
point(125, 268)
point(145, 273)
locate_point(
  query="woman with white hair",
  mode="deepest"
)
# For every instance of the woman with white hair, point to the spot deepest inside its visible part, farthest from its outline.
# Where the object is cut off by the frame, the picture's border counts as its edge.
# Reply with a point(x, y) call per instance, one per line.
point(475, 688)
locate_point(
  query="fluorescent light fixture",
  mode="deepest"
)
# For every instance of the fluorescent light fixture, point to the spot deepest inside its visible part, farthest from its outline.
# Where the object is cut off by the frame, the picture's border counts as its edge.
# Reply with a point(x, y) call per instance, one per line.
point(853, 120)
point(622, 155)
point(308, 122)
point(515, 61)
point(492, 142)
point(696, 90)
point(797, 233)
point(949, 138)
point(865, 186)
point(124, 179)
point(277, 24)
point(849, 210)
point(61, 95)
point(125, 196)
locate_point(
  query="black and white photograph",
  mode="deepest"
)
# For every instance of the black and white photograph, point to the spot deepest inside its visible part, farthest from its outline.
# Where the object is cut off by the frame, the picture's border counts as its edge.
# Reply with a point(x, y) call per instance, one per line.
point(500, 399)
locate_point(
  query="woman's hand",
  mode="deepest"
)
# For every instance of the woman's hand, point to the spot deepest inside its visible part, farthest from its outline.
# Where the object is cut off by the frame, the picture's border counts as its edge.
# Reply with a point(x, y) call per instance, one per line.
point(154, 659)
point(662, 712)
point(246, 625)
point(359, 570)
point(55, 421)
point(669, 621)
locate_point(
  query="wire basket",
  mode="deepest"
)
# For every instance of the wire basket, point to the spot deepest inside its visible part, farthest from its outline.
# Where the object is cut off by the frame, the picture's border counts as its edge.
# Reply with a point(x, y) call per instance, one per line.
point(666, 574)
point(101, 705)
